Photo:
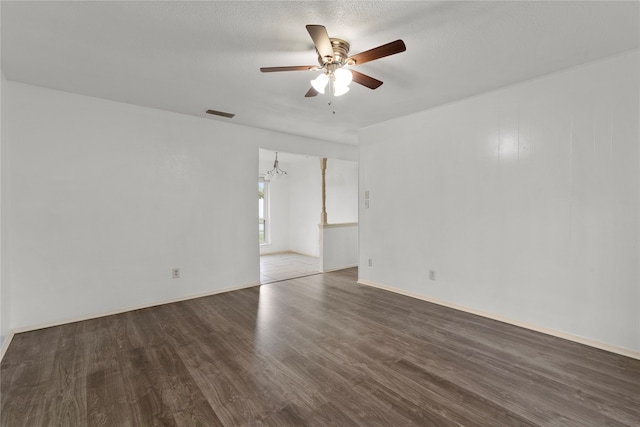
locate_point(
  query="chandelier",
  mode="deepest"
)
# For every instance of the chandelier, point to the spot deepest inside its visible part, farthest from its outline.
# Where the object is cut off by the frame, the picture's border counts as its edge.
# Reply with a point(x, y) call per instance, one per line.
point(276, 172)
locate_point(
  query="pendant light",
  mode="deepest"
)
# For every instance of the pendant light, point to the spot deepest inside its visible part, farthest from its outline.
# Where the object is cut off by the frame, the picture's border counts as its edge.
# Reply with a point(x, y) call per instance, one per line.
point(276, 172)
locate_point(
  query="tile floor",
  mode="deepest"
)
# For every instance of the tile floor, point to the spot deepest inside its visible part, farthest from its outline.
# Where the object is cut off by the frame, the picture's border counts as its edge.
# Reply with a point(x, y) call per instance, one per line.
point(286, 265)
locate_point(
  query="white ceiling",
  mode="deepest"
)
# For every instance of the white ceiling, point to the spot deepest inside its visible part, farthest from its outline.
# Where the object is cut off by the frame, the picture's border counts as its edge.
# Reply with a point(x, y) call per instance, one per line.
point(283, 157)
point(188, 56)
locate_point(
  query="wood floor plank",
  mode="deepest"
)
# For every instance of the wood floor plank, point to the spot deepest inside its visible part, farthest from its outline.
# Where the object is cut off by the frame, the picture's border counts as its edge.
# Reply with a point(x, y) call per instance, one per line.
point(318, 350)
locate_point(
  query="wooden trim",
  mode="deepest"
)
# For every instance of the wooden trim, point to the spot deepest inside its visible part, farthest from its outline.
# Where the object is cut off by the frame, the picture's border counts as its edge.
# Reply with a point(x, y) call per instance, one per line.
point(125, 310)
point(5, 345)
point(567, 336)
point(323, 169)
point(338, 225)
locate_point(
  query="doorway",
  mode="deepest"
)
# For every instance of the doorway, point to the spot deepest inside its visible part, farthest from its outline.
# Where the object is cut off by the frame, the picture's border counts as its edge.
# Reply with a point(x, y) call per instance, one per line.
point(289, 207)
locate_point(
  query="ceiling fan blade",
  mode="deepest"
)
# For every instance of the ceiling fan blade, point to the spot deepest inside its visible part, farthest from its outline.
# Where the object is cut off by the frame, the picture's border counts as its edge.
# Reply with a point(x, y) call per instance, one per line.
point(321, 39)
point(291, 68)
point(311, 92)
point(378, 52)
point(365, 80)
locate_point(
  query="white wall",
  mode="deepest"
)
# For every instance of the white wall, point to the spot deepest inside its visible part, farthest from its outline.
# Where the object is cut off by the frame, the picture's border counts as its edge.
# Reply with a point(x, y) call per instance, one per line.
point(4, 235)
point(106, 198)
point(524, 201)
point(341, 180)
point(338, 246)
point(305, 205)
point(4, 270)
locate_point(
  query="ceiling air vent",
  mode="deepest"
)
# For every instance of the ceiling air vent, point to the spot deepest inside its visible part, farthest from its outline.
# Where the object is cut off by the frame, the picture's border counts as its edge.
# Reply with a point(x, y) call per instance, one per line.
point(220, 113)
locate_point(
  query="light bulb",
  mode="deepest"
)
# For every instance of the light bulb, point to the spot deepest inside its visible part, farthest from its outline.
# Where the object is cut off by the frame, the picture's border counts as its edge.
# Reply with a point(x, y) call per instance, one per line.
point(340, 90)
point(320, 82)
point(343, 77)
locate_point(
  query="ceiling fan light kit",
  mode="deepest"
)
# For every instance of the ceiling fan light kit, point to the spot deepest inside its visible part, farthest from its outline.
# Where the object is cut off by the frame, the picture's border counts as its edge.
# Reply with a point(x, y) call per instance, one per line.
point(340, 78)
point(320, 82)
point(333, 58)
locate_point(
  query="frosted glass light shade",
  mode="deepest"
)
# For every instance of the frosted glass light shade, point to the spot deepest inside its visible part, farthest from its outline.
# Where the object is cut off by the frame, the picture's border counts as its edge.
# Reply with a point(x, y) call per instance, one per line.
point(343, 77)
point(340, 90)
point(320, 82)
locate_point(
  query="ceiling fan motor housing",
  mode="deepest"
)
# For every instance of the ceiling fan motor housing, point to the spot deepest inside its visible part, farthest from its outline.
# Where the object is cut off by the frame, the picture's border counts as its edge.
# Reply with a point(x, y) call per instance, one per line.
point(340, 53)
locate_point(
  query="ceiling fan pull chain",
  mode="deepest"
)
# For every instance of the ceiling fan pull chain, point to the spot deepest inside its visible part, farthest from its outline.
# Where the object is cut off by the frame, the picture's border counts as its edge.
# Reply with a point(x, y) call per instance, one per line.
point(331, 91)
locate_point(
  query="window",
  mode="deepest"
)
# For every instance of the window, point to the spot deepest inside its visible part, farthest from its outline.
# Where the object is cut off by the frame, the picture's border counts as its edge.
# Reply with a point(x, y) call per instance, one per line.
point(263, 212)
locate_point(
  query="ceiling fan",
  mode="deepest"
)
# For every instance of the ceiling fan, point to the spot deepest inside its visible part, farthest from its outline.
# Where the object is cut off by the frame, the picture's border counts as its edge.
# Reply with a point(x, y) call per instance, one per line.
point(333, 57)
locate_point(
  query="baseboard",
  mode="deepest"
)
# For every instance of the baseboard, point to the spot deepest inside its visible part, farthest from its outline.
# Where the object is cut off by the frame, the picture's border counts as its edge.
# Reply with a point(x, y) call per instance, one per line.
point(275, 252)
point(124, 310)
point(303, 254)
point(5, 345)
point(288, 251)
point(570, 337)
point(339, 268)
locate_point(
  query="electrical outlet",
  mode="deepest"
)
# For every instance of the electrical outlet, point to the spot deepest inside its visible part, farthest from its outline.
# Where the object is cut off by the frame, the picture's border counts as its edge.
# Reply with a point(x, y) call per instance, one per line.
point(366, 194)
point(370, 262)
point(366, 203)
point(432, 275)
point(175, 273)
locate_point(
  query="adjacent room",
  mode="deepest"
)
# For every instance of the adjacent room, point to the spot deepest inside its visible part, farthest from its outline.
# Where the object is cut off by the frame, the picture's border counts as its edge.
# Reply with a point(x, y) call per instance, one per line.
point(448, 213)
point(291, 229)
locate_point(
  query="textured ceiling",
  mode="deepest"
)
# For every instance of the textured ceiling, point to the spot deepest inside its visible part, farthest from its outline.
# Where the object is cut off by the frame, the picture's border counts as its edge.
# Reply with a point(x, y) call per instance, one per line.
point(190, 56)
point(284, 158)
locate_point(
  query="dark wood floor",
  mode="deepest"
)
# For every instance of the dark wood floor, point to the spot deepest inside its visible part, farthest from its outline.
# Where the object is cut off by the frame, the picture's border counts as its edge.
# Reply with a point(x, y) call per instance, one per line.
point(319, 350)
